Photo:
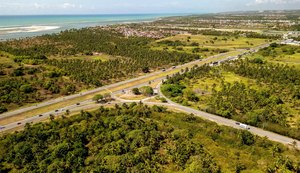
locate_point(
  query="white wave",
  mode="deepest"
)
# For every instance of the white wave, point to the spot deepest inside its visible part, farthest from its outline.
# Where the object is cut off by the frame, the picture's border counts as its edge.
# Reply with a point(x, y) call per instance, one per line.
point(27, 29)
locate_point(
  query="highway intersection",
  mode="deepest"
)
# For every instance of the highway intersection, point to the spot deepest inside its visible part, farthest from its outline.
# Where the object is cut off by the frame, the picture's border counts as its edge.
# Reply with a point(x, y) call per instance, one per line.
point(117, 88)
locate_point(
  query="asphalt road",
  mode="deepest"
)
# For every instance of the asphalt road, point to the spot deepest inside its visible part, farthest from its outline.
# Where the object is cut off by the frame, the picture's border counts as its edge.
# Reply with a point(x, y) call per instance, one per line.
point(107, 87)
point(89, 104)
point(231, 123)
point(62, 99)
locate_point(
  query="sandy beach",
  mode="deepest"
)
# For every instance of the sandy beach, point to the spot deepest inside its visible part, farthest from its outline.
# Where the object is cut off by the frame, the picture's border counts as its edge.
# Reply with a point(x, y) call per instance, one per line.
point(28, 29)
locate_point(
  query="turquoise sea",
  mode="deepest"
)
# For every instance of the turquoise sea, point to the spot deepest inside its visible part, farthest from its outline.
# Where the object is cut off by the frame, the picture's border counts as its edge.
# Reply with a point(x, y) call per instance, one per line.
point(12, 27)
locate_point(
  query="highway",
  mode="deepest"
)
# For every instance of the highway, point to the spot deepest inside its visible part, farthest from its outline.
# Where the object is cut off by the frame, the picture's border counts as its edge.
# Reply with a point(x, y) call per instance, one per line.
point(89, 104)
point(62, 99)
point(231, 123)
point(78, 95)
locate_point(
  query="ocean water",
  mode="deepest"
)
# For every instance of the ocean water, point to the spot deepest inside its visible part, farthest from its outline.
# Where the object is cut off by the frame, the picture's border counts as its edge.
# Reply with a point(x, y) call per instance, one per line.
point(13, 27)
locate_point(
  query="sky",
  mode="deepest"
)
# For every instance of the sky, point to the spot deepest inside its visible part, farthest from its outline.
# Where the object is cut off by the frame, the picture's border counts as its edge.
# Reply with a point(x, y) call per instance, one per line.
point(31, 7)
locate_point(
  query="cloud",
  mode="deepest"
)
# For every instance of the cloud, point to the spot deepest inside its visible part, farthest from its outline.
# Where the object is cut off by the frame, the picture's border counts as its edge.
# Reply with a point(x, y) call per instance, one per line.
point(68, 5)
point(272, 2)
point(38, 6)
point(276, 2)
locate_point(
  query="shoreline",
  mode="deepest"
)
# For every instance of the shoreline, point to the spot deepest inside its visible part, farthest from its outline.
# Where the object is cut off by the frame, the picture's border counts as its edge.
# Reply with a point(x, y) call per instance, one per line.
point(21, 32)
point(35, 31)
point(26, 29)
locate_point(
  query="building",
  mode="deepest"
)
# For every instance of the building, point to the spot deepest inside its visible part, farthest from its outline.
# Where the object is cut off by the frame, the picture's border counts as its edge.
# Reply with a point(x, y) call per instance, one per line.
point(291, 42)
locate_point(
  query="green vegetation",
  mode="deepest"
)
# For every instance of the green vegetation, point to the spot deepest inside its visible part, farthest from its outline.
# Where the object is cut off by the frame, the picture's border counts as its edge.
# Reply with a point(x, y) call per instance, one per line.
point(98, 98)
point(259, 94)
point(206, 45)
point(283, 54)
point(146, 91)
point(161, 99)
point(135, 91)
point(36, 69)
point(135, 138)
point(245, 22)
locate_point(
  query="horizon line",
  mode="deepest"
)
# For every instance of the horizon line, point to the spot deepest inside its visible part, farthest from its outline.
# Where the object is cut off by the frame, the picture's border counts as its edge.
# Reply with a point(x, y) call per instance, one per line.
point(154, 13)
point(77, 14)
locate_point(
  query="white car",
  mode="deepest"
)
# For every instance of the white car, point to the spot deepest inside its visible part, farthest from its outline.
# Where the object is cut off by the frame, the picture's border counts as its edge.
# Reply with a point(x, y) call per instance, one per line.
point(244, 126)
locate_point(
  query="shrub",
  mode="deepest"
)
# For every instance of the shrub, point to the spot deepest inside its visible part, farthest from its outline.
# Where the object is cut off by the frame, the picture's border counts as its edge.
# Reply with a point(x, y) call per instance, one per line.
point(27, 88)
point(147, 90)
point(135, 91)
point(2, 109)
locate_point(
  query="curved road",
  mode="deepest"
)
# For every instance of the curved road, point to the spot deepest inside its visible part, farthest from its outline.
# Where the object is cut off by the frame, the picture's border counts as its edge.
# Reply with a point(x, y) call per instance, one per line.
point(89, 104)
point(62, 99)
point(231, 123)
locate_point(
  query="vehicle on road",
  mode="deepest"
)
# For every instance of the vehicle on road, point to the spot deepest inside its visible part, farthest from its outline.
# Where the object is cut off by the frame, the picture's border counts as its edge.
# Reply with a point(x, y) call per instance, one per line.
point(56, 110)
point(19, 123)
point(244, 126)
point(173, 67)
point(40, 115)
point(77, 104)
point(293, 143)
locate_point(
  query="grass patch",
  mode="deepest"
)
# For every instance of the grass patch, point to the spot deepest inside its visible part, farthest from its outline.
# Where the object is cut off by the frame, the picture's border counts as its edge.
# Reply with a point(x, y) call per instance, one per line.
point(213, 42)
point(132, 97)
point(282, 54)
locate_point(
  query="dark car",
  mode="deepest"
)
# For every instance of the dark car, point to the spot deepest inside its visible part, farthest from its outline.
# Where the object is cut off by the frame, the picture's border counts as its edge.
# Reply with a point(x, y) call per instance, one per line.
point(19, 123)
point(56, 110)
point(77, 104)
point(40, 115)
point(237, 123)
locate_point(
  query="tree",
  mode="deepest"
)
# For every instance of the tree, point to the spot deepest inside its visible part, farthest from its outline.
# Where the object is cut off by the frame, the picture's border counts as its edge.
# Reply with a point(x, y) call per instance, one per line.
point(18, 72)
point(246, 137)
point(135, 91)
point(190, 95)
point(258, 60)
point(146, 90)
point(146, 69)
point(27, 88)
point(2, 109)
point(98, 98)
point(273, 45)
point(107, 97)
point(194, 44)
point(51, 117)
point(67, 112)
